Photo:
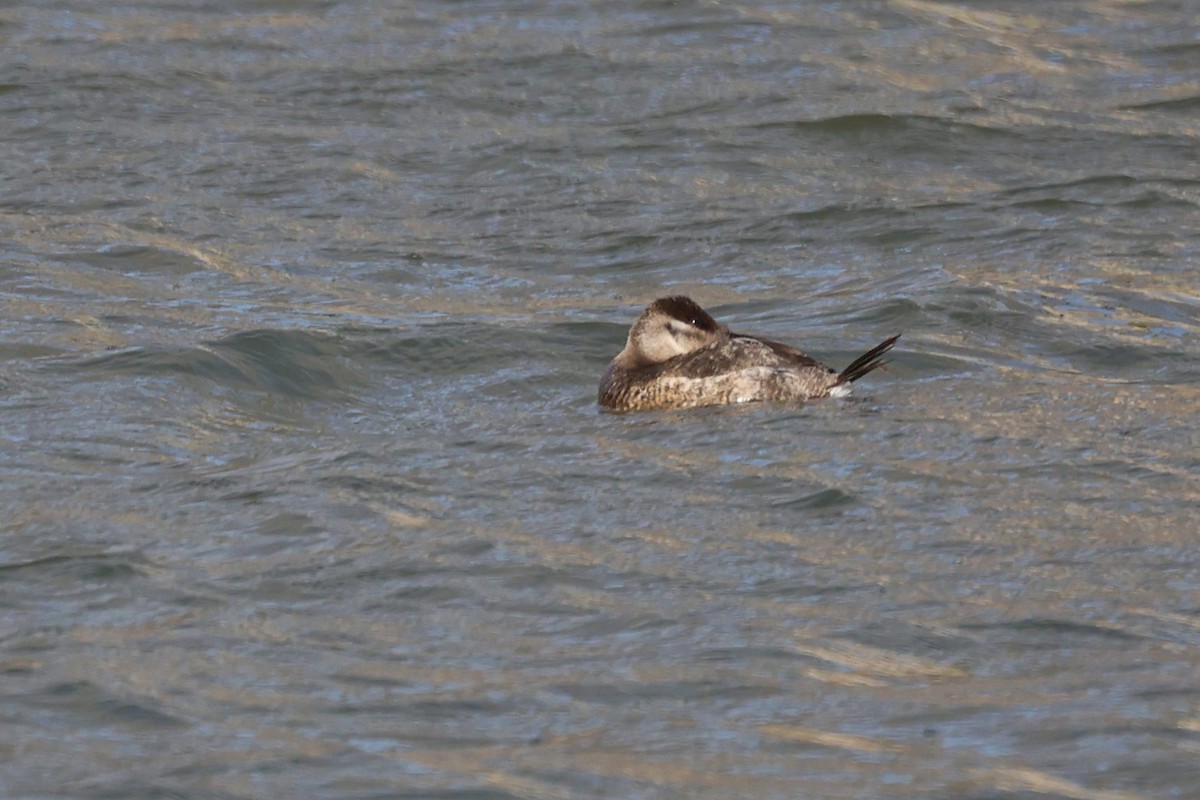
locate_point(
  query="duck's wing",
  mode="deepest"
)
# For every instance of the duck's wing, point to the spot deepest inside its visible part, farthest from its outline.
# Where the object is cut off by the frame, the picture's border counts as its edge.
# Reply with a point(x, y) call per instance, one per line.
point(735, 354)
point(785, 352)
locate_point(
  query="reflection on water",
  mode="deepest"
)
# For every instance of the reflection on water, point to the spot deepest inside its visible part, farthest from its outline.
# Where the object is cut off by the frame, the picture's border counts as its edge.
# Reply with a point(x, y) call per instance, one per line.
point(304, 310)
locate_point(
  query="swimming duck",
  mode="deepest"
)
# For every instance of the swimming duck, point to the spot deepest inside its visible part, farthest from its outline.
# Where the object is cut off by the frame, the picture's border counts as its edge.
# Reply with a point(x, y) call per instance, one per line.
point(678, 356)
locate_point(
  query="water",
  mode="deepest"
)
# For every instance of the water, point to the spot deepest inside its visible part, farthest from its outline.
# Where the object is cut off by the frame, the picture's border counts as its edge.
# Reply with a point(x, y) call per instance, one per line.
point(305, 490)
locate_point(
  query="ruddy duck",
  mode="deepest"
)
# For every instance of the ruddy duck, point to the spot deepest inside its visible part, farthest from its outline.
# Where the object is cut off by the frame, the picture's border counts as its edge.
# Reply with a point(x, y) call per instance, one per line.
point(677, 356)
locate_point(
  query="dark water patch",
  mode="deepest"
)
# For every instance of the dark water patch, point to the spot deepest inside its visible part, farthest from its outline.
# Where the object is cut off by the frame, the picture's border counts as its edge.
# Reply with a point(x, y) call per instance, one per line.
point(912, 362)
point(393, 488)
point(459, 793)
point(903, 134)
point(544, 580)
point(156, 790)
point(542, 387)
point(134, 259)
point(854, 219)
point(912, 639)
point(1106, 359)
point(418, 571)
point(986, 310)
point(1178, 105)
point(894, 314)
point(588, 343)
point(450, 349)
point(1083, 196)
point(1149, 198)
point(289, 524)
point(1018, 330)
point(1124, 733)
point(792, 589)
point(100, 707)
point(966, 548)
point(79, 570)
point(376, 265)
point(1172, 311)
point(37, 563)
point(1172, 694)
point(294, 364)
point(727, 655)
point(1049, 632)
point(845, 124)
point(543, 616)
point(136, 715)
point(418, 598)
point(624, 626)
point(454, 710)
point(207, 483)
point(630, 694)
point(837, 235)
point(824, 501)
point(17, 668)
point(1081, 189)
point(1186, 49)
point(1110, 359)
point(22, 351)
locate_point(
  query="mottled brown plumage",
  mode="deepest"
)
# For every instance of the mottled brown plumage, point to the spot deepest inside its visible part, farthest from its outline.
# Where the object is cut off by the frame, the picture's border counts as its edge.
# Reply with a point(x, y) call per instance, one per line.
point(678, 356)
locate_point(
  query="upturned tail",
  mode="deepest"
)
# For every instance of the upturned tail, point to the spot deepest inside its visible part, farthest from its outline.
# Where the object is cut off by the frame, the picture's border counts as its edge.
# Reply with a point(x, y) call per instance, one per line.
point(872, 359)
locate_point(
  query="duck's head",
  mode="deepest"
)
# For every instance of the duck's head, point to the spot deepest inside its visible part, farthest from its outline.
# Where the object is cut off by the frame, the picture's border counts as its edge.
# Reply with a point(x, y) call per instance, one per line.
point(669, 327)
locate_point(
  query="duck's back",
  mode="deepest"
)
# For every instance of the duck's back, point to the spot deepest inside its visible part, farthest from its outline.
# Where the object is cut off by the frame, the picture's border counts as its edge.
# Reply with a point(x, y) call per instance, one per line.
point(738, 369)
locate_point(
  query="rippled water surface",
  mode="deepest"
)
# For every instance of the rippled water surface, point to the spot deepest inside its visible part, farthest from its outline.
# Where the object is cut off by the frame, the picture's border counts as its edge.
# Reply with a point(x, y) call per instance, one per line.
point(305, 495)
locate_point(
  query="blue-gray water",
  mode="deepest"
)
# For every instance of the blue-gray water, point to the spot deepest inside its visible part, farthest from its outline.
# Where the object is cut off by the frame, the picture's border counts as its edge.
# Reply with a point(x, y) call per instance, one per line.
point(304, 490)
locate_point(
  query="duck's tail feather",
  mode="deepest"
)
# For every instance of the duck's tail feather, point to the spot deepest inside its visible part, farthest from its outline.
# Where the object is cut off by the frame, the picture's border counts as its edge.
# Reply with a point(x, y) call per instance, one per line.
point(866, 362)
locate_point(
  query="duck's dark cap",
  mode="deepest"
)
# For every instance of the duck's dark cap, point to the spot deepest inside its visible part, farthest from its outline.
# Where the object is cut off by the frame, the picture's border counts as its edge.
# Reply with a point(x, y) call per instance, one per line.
point(685, 309)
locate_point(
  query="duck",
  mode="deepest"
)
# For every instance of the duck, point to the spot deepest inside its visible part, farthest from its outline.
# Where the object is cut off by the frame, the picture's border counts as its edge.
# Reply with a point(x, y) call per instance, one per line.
point(677, 356)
